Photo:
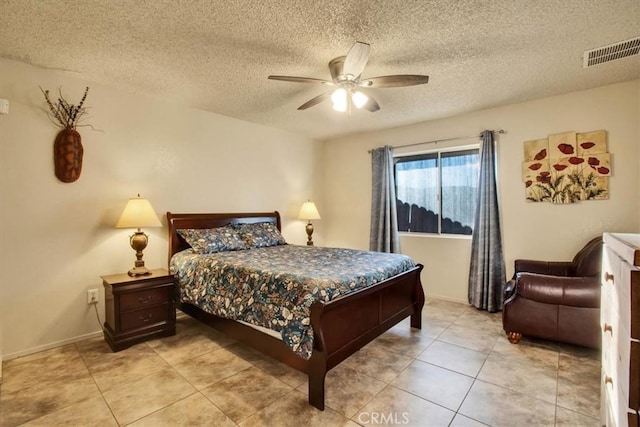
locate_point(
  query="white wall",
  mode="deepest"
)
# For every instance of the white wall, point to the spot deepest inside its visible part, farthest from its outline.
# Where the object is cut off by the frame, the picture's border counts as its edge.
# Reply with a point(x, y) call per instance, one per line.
point(530, 230)
point(58, 239)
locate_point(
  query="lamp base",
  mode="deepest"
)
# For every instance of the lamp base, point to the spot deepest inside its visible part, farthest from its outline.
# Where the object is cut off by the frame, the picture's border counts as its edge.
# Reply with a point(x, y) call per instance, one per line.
point(139, 271)
point(309, 229)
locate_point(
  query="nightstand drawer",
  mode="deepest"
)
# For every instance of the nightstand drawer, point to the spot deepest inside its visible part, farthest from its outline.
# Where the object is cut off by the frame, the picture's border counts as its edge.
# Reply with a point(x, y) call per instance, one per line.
point(144, 318)
point(141, 299)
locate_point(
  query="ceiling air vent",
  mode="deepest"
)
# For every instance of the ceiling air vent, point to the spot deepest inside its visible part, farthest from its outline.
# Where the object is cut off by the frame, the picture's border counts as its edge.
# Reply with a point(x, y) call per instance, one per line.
point(611, 52)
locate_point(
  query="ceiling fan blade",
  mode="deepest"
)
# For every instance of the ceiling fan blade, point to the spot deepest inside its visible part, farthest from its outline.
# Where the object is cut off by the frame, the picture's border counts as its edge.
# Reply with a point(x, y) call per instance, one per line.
point(356, 59)
point(395, 81)
point(371, 105)
point(300, 80)
point(314, 101)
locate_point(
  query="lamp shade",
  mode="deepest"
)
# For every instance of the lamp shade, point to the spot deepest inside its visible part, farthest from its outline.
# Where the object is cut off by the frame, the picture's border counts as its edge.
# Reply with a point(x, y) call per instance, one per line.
point(137, 214)
point(309, 211)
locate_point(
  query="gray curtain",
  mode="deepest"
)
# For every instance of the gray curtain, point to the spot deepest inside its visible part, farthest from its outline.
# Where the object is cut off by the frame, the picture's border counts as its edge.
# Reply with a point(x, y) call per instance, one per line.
point(487, 272)
point(384, 235)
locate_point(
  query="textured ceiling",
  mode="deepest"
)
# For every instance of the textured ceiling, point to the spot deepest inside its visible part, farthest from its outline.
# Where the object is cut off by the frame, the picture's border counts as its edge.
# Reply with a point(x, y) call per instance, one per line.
point(216, 55)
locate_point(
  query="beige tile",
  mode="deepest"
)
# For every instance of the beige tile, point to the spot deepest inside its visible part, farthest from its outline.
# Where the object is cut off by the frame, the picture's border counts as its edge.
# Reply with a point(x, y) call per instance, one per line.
point(497, 406)
point(41, 399)
point(441, 386)
point(397, 407)
point(190, 343)
point(378, 363)
point(580, 368)
point(94, 412)
point(462, 421)
point(293, 410)
point(565, 417)
point(269, 365)
point(245, 393)
point(443, 306)
point(211, 367)
point(194, 410)
point(125, 369)
point(347, 390)
point(531, 379)
point(140, 398)
point(527, 352)
point(480, 320)
point(475, 339)
point(62, 352)
point(454, 357)
point(18, 374)
point(97, 351)
point(54, 388)
point(579, 384)
point(433, 327)
point(404, 340)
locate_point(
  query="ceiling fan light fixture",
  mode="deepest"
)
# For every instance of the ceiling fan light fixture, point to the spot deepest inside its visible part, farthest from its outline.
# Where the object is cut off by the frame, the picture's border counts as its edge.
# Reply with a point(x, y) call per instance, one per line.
point(359, 99)
point(339, 99)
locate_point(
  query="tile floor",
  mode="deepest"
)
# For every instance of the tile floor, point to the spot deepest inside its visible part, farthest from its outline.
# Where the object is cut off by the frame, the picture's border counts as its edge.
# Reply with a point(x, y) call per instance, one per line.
point(459, 370)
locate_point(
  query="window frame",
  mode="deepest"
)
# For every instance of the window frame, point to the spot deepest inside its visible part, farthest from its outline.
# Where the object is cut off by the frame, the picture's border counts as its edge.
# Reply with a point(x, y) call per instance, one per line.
point(438, 153)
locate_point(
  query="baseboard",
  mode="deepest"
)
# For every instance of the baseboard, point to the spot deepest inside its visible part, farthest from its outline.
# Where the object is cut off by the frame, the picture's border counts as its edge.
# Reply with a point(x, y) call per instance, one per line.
point(49, 346)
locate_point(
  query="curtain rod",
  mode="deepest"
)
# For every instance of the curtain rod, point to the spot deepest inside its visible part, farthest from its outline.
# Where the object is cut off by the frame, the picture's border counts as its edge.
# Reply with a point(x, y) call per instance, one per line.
point(435, 141)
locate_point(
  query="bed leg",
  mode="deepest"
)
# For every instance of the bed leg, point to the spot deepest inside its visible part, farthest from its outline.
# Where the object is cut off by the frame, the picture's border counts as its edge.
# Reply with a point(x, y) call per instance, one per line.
point(316, 389)
point(416, 320)
point(418, 302)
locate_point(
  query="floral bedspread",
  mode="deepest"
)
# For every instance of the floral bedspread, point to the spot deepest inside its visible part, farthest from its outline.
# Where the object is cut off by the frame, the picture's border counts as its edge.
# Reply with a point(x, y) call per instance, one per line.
point(275, 287)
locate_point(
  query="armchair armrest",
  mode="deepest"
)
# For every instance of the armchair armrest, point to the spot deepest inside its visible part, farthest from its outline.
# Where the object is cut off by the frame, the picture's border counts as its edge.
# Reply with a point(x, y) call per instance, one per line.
point(569, 291)
point(556, 268)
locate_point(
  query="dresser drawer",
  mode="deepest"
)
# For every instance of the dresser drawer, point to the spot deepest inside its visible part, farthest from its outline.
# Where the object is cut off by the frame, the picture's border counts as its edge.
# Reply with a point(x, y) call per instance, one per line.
point(610, 279)
point(144, 318)
point(615, 404)
point(144, 298)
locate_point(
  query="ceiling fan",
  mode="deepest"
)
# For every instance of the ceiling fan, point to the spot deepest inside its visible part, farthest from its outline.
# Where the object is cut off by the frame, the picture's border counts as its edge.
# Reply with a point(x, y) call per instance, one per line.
point(346, 78)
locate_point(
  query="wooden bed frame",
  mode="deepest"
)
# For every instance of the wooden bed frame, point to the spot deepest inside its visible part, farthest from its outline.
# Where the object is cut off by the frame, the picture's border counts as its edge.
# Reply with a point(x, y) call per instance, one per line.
point(341, 327)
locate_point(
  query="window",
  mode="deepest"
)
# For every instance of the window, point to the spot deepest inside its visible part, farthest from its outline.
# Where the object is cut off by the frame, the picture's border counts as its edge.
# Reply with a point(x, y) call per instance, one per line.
point(436, 191)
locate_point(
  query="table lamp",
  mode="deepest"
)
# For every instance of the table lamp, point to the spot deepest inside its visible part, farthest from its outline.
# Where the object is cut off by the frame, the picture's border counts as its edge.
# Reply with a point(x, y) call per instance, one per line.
point(309, 212)
point(137, 214)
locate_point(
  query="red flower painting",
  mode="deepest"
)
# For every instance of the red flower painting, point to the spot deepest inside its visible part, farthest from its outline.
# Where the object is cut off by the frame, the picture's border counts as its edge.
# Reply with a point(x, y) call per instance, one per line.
point(565, 148)
point(541, 155)
point(576, 160)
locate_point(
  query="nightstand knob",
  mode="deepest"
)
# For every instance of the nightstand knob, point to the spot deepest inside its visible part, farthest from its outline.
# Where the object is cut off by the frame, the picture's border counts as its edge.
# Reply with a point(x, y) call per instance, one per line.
point(145, 318)
point(608, 380)
point(608, 328)
point(145, 300)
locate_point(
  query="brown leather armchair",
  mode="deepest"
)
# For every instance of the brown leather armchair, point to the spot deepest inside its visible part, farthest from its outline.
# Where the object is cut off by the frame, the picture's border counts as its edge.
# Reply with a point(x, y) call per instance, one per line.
point(558, 301)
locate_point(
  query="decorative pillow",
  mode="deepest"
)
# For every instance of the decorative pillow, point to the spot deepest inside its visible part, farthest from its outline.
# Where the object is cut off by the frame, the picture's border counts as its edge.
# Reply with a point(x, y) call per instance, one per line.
point(261, 234)
point(210, 240)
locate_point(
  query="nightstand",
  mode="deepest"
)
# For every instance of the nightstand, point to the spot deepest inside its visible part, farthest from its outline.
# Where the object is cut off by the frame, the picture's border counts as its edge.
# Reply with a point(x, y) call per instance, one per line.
point(138, 308)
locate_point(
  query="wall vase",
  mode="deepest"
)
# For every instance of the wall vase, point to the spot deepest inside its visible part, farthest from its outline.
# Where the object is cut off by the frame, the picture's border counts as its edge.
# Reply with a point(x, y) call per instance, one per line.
point(67, 155)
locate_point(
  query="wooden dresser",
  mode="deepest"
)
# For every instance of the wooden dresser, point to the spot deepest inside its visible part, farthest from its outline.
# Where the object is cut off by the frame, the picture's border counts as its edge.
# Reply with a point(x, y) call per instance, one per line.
point(620, 318)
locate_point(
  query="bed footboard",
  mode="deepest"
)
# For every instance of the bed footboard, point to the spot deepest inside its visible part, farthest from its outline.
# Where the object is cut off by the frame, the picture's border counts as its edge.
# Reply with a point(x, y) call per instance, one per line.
point(369, 313)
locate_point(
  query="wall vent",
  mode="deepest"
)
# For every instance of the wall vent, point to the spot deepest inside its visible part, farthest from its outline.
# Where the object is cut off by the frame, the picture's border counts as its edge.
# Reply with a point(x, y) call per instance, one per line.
point(611, 52)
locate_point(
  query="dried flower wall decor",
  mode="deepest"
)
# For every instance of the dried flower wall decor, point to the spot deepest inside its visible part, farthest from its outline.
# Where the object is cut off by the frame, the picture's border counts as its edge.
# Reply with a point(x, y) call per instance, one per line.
point(567, 167)
point(67, 148)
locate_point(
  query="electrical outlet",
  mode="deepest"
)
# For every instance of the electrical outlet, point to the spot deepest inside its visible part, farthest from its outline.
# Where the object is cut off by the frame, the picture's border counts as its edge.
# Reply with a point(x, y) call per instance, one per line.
point(92, 296)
